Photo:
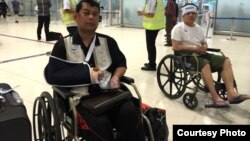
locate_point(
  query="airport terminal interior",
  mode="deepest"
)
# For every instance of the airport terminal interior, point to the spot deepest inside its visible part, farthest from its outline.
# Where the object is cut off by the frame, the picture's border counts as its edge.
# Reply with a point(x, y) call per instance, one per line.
point(18, 40)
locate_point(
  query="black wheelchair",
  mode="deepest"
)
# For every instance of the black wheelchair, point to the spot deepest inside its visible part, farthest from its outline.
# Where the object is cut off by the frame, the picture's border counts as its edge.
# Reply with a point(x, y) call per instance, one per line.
point(52, 120)
point(175, 75)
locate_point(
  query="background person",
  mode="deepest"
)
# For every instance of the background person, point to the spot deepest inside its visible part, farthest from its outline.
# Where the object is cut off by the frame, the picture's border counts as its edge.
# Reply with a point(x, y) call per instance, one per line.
point(188, 36)
point(153, 22)
point(171, 13)
point(43, 7)
point(106, 57)
point(16, 9)
point(3, 9)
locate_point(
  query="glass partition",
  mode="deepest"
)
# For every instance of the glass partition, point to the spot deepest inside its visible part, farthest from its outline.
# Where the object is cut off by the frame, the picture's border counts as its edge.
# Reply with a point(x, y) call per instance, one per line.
point(29, 12)
point(110, 12)
point(129, 13)
point(238, 10)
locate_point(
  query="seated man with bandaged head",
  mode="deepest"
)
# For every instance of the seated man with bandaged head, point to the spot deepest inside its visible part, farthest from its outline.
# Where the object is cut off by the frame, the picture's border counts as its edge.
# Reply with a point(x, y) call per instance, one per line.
point(188, 37)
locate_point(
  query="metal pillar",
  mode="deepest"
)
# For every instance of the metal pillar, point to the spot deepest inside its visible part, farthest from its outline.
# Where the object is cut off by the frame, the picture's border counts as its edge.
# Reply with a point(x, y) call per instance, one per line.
point(232, 30)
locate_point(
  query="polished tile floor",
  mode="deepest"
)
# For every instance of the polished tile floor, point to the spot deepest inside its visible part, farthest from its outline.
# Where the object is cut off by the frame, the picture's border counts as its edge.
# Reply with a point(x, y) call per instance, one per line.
point(19, 40)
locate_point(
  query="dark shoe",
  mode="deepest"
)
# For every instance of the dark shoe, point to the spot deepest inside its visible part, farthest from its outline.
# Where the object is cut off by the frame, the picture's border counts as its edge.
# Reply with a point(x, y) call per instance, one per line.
point(239, 99)
point(39, 38)
point(147, 64)
point(16, 21)
point(148, 68)
point(218, 104)
point(48, 39)
point(169, 45)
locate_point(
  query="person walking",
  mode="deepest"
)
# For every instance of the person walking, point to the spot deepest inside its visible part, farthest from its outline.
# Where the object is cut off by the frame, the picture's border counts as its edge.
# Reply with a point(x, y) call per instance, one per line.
point(43, 7)
point(153, 22)
point(3, 9)
point(171, 13)
point(68, 11)
point(16, 9)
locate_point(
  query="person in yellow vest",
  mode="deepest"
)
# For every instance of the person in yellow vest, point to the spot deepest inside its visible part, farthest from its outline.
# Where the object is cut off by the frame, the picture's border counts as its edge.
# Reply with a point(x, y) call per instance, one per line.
point(68, 10)
point(153, 22)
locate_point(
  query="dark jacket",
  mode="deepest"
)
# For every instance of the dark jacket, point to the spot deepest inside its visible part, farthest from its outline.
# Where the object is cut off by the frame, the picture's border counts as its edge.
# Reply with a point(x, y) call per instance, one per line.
point(43, 7)
point(3, 6)
point(15, 5)
point(61, 73)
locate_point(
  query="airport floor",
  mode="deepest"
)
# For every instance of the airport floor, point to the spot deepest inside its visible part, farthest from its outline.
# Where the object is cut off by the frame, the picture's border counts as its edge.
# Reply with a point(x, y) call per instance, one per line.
point(19, 40)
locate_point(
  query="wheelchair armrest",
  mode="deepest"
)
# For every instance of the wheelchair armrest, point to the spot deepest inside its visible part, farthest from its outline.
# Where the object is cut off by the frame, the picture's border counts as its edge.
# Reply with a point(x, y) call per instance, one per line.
point(127, 80)
point(213, 49)
point(64, 93)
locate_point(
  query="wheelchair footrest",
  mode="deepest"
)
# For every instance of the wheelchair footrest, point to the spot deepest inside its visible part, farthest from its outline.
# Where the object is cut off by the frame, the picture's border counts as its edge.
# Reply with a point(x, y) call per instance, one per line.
point(217, 105)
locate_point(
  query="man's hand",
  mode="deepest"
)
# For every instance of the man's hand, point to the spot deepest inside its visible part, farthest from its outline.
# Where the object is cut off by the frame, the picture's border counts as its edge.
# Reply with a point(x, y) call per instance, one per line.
point(200, 49)
point(139, 13)
point(96, 75)
point(114, 82)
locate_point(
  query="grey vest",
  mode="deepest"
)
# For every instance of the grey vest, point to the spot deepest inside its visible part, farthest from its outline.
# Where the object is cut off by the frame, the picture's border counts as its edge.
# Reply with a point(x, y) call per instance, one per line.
point(102, 58)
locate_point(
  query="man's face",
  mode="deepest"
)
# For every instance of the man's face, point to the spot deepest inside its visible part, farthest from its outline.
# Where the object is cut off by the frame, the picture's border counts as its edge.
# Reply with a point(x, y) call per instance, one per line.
point(88, 18)
point(190, 17)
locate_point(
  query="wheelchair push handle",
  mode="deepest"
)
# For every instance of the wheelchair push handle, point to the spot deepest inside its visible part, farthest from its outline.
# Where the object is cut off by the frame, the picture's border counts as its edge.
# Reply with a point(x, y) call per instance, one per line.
point(65, 93)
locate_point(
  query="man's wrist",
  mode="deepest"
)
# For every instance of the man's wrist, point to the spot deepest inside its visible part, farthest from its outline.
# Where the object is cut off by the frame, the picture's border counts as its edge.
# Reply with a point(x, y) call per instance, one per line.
point(115, 78)
point(193, 47)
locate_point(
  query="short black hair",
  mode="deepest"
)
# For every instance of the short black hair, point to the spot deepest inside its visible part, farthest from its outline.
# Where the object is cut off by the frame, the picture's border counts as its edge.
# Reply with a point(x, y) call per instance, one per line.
point(191, 4)
point(93, 3)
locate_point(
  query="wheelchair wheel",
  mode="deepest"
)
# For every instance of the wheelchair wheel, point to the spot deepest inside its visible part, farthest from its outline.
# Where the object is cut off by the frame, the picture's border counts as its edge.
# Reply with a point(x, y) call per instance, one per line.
point(171, 76)
point(199, 83)
point(190, 101)
point(45, 119)
point(40, 121)
point(53, 118)
point(221, 90)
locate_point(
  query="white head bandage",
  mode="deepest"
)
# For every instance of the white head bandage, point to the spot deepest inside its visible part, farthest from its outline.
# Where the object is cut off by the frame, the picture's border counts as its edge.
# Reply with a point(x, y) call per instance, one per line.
point(189, 8)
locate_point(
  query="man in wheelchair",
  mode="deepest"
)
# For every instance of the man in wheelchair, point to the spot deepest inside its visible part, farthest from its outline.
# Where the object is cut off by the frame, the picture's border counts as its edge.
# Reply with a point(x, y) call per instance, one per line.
point(94, 59)
point(188, 38)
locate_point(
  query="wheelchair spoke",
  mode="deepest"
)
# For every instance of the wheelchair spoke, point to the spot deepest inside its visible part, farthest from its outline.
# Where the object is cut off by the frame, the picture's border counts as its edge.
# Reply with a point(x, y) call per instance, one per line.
point(53, 118)
point(166, 67)
point(190, 101)
point(165, 83)
point(170, 77)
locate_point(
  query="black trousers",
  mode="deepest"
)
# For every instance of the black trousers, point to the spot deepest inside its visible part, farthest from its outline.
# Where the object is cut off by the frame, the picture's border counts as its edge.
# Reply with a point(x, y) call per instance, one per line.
point(125, 118)
point(151, 48)
point(4, 13)
point(43, 20)
point(169, 26)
